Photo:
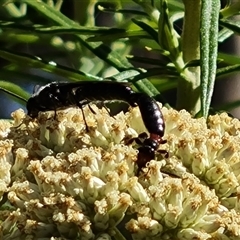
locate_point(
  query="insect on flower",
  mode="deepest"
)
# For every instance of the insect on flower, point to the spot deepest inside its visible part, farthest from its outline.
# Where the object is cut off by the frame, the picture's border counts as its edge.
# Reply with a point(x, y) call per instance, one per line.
point(55, 96)
point(154, 122)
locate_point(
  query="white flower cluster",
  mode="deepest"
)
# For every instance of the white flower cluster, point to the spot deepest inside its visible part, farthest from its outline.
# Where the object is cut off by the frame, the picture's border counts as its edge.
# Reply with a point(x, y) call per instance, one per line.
point(60, 182)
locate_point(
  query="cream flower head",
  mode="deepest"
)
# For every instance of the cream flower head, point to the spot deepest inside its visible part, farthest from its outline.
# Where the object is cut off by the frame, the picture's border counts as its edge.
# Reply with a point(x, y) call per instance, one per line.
point(60, 182)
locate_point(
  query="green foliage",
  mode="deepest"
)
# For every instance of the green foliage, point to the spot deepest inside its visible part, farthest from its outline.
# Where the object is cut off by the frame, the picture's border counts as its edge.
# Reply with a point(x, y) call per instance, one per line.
point(157, 45)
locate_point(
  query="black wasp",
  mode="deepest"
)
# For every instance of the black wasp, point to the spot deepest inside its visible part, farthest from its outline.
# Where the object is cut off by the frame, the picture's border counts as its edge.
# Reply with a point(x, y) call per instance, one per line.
point(55, 96)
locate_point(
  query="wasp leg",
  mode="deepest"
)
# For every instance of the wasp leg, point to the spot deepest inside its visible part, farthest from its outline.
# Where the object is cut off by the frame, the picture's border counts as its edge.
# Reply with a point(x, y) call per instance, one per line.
point(55, 114)
point(91, 109)
point(143, 135)
point(139, 140)
point(132, 140)
point(103, 104)
point(84, 119)
point(164, 152)
point(53, 100)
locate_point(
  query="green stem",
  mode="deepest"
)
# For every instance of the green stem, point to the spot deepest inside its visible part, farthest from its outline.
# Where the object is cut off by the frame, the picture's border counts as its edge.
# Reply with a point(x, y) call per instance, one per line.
point(85, 6)
point(13, 10)
point(189, 84)
point(151, 10)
